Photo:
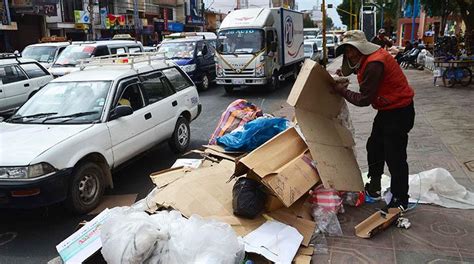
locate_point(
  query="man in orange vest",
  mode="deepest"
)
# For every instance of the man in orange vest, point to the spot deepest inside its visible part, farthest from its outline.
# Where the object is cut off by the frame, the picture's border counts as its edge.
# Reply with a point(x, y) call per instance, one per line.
point(384, 86)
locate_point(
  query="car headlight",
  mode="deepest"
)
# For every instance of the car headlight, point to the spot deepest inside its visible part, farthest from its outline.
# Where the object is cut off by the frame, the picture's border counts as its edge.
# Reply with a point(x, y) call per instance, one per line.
point(219, 70)
point(189, 68)
point(26, 172)
point(260, 70)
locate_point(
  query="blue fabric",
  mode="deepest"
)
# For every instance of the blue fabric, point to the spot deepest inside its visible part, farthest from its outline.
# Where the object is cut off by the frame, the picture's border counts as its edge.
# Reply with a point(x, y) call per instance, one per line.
point(254, 134)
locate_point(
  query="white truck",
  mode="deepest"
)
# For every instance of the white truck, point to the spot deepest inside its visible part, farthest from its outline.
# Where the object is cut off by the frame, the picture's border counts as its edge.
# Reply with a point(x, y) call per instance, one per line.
point(259, 46)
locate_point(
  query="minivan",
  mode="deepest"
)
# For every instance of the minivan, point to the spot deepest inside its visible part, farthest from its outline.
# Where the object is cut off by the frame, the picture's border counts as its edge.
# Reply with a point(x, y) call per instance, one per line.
point(44, 53)
point(194, 56)
point(69, 60)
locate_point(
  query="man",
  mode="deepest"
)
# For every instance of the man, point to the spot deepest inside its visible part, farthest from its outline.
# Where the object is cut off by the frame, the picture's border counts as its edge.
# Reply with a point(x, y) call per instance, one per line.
point(384, 86)
point(381, 39)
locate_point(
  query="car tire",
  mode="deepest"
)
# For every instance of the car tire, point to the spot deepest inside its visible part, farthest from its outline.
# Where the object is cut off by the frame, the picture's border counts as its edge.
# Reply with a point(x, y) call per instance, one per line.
point(179, 141)
point(205, 83)
point(229, 89)
point(86, 188)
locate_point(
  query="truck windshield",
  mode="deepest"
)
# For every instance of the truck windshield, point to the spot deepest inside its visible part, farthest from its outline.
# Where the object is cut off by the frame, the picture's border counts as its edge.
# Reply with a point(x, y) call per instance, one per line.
point(241, 41)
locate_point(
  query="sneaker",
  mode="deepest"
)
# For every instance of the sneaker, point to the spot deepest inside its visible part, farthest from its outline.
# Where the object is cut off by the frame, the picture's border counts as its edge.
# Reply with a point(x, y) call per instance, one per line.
point(373, 191)
point(397, 203)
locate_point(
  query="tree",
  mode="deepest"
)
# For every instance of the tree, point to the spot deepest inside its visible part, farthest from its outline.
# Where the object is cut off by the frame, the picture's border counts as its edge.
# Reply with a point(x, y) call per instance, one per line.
point(329, 23)
point(307, 22)
point(345, 17)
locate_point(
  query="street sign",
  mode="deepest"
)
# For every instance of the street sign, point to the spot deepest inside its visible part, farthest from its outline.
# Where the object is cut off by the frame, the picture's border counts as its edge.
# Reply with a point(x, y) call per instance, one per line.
point(82, 17)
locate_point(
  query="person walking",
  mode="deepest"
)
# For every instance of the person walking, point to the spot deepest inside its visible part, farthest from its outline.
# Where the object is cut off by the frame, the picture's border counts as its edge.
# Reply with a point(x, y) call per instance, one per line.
point(384, 86)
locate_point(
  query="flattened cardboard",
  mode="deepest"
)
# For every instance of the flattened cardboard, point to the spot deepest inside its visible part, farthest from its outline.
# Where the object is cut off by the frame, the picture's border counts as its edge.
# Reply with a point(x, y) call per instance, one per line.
point(329, 142)
point(165, 177)
point(280, 166)
point(376, 223)
point(305, 227)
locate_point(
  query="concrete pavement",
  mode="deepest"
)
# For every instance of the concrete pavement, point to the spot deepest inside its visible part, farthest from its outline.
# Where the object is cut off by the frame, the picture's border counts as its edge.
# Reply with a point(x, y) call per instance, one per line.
point(443, 136)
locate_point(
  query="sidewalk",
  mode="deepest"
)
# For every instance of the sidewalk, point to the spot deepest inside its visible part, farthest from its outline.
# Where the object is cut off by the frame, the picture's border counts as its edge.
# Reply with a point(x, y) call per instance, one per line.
point(443, 136)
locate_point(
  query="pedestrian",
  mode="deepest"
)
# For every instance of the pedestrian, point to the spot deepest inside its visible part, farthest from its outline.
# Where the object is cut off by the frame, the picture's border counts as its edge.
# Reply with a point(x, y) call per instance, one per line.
point(384, 86)
point(381, 39)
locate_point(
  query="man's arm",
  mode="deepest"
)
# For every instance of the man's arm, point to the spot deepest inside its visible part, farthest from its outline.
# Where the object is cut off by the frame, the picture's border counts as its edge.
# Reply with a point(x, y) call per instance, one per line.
point(368, 87)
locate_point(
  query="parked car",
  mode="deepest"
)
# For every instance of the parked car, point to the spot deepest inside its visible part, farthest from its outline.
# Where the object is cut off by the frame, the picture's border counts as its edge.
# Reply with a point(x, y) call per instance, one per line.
point(195, 56)
point(44, 53)
point(63, 143)
point(20, 79)
point(332, 42)
point(311, 51)
point(69, 60)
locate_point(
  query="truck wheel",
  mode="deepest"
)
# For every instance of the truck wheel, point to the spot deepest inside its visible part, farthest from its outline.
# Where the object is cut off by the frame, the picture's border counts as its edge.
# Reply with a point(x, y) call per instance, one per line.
point(205, 83)
point(274, 83)
point(180, 139)
point(229, 89)
point(86, 188)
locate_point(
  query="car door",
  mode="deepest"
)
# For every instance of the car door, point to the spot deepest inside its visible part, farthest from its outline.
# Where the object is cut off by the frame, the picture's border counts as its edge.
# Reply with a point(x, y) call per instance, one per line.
point(130, 135)
point(38, 75)
point(186, 93)
point(161, 98)
point(15, 86)
point(207, 59)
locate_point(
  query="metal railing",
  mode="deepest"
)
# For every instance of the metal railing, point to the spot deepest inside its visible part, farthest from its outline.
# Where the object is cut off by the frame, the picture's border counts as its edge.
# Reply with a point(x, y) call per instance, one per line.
point(125, 59)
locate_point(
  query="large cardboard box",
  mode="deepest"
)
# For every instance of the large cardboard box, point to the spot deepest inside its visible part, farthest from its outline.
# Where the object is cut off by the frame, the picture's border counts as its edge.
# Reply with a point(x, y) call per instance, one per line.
point(282, 165)
point(330, 143)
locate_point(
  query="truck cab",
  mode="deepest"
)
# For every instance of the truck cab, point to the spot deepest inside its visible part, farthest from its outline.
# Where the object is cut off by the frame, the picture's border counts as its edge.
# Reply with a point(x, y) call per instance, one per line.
point(259, 46)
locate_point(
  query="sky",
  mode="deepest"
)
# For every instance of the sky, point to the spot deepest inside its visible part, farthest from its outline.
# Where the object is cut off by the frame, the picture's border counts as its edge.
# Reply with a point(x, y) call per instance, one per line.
point(226, 5)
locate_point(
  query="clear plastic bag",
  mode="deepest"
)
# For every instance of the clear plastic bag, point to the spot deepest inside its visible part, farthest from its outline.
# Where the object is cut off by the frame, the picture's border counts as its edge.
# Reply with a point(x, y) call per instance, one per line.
point(327, 221)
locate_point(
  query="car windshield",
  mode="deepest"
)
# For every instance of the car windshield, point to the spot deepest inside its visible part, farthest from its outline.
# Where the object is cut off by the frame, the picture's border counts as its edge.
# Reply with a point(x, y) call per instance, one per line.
point(72, 55)
point(329, 40)
point(65, 102)
point(237, 41)
point(308, 49)
point(39, 53)
point(310, 34)
point(178, 50)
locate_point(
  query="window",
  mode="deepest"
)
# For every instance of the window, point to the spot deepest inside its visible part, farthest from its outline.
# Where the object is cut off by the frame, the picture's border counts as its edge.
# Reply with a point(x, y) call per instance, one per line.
point(134, 49)
point(33, 70)
point(101, 51)
point(176, 79)
point(155, 87)
point(11, 73)
point(117, 50)
point(132, 97)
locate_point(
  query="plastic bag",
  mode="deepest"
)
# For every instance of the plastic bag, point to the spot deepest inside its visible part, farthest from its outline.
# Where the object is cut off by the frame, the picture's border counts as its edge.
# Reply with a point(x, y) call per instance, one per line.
point(248, 198)
point(254, 134)
point(353, 198)
point(327, 221)
point(129, 236)
point(238, 113)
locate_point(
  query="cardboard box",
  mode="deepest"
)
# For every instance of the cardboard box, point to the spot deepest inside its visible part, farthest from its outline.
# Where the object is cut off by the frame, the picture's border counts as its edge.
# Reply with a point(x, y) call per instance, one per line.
point(208, 192)
point(280, 165)
point(330, 143)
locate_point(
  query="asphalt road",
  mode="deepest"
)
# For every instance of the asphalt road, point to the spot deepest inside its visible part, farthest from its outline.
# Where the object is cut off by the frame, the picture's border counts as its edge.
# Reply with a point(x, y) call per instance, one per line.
point(30, 236)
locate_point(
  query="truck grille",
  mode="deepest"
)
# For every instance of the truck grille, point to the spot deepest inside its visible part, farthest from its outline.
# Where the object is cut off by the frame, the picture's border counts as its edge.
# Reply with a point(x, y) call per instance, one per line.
point(243, 73)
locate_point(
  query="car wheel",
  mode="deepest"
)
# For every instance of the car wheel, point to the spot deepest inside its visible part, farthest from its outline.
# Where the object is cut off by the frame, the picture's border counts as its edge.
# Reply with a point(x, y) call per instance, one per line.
point(205, 83)
point(181, 137)
point(229, 89)
point(86, 188)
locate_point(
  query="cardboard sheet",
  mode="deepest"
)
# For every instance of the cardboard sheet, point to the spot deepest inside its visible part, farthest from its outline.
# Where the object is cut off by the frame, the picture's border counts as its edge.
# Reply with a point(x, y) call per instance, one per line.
point(280, 165)
point(329, 142)
point(376, 223)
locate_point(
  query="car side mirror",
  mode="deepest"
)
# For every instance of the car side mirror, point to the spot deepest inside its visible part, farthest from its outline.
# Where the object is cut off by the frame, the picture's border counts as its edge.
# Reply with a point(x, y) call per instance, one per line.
point(274, 46)
point(120, 111)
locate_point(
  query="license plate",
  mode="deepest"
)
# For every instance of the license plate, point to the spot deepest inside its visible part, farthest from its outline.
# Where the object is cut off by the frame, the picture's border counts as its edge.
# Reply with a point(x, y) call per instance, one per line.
point(238, 81)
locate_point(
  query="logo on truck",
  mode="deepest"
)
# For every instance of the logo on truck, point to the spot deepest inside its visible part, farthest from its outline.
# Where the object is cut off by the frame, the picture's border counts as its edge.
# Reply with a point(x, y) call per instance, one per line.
point(289, 31)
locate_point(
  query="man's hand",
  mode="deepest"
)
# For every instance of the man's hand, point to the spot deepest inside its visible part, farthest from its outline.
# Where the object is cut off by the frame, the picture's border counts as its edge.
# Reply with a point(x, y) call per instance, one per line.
point(341, 85)
point(339, 72)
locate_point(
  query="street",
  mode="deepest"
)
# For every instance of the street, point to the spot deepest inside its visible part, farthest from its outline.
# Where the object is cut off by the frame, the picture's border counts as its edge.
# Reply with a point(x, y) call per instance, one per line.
point(30, 236)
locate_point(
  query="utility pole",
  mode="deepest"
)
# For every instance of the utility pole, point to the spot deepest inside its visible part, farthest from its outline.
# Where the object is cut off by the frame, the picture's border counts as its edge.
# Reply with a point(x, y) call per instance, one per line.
point(90, 8)
point(350, 16)
point(136, 20)
point(325, 54)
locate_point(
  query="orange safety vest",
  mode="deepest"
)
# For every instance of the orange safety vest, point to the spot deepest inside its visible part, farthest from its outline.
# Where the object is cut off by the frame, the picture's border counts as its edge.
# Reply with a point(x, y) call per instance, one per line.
point(393, 91)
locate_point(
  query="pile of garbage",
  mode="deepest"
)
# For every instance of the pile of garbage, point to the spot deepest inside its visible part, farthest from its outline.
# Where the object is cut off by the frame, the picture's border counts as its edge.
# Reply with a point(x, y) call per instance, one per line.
point(262, 188)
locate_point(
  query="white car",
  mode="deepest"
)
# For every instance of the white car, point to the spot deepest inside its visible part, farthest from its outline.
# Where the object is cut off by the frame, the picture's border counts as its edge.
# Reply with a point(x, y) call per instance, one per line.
point(63, 143)
point(20, 79)
point(332, 42)
point(44, 53)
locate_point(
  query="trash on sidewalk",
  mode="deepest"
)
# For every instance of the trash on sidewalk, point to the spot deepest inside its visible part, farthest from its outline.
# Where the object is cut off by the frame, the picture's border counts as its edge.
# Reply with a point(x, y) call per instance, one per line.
point(248, 198)
point(188, 163)
point(253, 134)
point(377, 222)
point(330, 143)
point(275, 241)
point(403, 222)
point(237, 114)
point(85, 242)
point(326, 204)
point(167, 237)
point(275, 163)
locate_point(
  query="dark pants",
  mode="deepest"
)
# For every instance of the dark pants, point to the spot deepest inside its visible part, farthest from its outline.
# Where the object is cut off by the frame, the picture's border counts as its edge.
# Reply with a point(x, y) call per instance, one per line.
point(388, 143)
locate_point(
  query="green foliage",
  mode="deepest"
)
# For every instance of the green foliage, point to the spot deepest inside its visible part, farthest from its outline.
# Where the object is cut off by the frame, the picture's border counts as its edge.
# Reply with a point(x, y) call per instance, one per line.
point(307, 22)
point(329, 23)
